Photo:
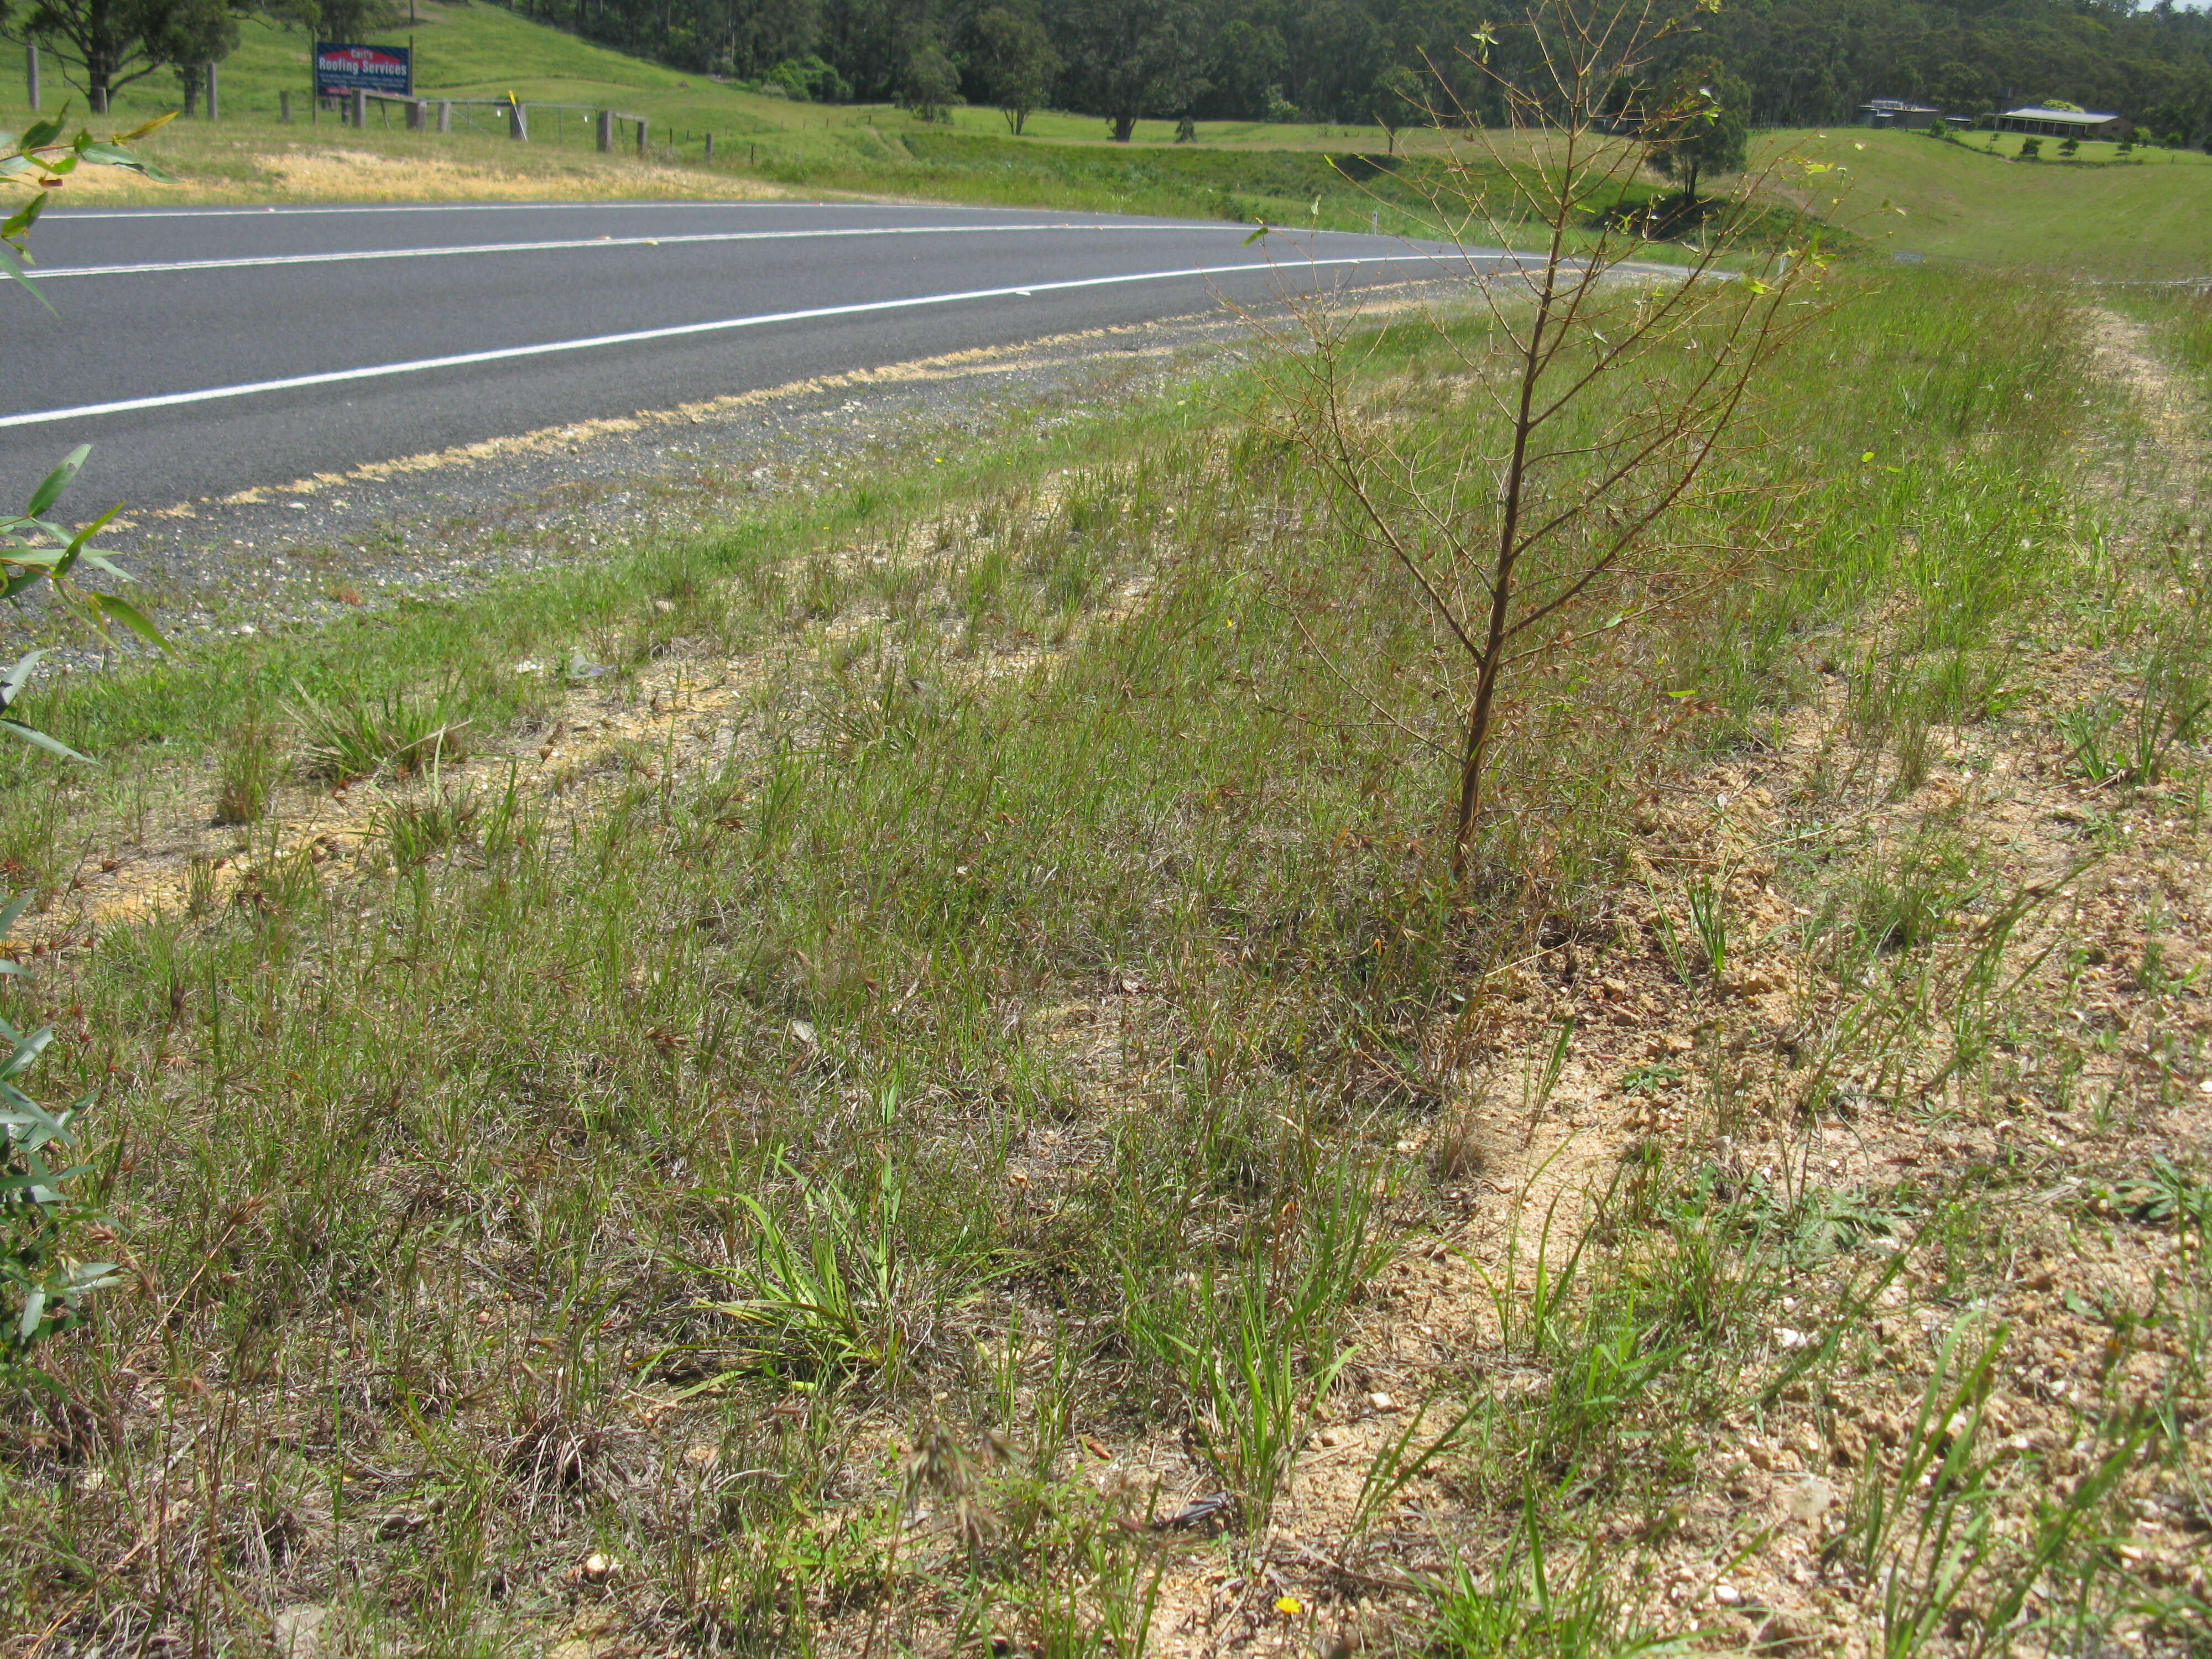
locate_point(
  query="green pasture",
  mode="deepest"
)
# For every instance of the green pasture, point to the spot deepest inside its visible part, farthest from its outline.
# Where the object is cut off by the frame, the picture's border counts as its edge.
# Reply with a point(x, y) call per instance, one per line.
point(2101, 213)
point(485, 51)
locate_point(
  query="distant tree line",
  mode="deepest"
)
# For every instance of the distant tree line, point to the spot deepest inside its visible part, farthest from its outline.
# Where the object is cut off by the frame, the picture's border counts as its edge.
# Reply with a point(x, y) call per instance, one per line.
point(1392, 63)
point(1809, 63)
point(1803, 62)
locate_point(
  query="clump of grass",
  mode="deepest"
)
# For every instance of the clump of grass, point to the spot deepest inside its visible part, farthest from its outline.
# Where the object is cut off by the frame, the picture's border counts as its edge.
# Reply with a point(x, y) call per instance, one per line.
point(246, 772)
point(341, 742)
point(415, 830)
point(1539, 1608)
point(2136, 743)
point(824, 590)
point(199, 884)
point(1461, 1143)
point(1904, 902)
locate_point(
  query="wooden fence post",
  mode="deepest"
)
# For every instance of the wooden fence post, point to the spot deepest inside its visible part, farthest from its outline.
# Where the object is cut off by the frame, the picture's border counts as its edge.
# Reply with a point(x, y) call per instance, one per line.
point(445, 115)
point(710, 149)
point(31, 73)
point(518, 124)
point(418, 115)
point(214, 106)
point(641, 137)
point(606, 132)
point(360, 108)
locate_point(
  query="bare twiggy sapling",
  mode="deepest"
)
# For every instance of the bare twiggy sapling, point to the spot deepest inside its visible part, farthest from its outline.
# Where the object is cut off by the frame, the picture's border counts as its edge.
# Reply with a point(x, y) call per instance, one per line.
point(1570, 474)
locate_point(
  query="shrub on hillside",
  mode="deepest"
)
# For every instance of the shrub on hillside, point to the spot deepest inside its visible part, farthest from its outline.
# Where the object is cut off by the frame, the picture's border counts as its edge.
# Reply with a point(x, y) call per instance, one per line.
point(932, 84)
point(809, 80)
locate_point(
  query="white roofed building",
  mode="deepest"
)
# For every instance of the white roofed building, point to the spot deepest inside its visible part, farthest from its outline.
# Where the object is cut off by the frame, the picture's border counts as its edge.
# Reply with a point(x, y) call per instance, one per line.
point(2063, 123)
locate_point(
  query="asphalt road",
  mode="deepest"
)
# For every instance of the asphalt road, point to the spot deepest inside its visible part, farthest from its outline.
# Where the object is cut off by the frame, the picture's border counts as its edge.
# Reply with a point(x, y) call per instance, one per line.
point(204, 351)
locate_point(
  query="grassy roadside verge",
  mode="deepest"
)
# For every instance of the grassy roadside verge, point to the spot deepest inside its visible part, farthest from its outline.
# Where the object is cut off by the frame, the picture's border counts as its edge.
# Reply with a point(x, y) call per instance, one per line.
point(954, 1044)
point(251, 162)
point(1329, 177)
point(239, 163)
point(765, 144)
point(2184, 321)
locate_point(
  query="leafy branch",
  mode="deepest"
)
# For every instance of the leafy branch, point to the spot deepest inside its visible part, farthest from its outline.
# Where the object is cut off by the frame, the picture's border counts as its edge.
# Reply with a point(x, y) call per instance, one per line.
point(33, 547)
point(42, 158)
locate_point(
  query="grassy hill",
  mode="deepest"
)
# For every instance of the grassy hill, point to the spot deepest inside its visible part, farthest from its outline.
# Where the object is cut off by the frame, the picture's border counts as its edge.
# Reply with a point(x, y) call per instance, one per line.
point(2144, 216)
point(2099, 215)
point(481, 51)
point(1239, 171)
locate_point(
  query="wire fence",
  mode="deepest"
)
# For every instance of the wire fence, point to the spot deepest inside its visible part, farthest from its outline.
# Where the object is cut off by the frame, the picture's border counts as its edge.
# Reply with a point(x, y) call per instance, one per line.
point(576, 127)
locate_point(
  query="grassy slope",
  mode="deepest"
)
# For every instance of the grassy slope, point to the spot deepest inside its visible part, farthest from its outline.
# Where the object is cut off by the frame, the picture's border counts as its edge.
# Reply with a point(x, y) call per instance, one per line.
point(2145, 217)
point(483, 51)
point(1053, 937)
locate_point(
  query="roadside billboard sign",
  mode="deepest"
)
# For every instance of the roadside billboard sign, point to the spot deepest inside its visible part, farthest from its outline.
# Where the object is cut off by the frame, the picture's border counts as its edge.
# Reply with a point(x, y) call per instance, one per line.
point(340, 69)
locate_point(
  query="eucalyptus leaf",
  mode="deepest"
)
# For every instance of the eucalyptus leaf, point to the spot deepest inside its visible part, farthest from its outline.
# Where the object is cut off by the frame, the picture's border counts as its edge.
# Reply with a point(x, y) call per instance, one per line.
point(56, 481)
point(11, 264)
point(77, 542)
point(130, 615)
point(39, 739)
point(145, 127)
point(12, 683)
point(26, 1052)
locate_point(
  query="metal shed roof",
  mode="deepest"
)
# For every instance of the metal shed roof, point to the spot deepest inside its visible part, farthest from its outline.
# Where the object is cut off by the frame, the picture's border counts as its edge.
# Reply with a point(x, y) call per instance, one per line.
point(2087, 118)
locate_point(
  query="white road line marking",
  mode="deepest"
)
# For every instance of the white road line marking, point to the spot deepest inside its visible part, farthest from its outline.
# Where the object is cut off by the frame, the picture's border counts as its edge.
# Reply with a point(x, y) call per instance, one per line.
point(335, 377)
point(244, 261)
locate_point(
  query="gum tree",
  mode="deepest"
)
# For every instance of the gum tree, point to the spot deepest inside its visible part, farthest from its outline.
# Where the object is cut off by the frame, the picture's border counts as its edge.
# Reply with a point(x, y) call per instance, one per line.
point(1013, 61)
